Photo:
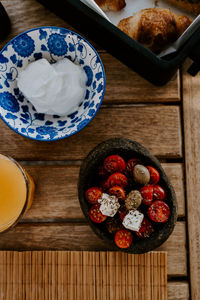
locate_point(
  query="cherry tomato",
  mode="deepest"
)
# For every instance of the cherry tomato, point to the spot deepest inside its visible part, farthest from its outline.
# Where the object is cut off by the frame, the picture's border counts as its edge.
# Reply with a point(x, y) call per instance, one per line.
point(114, 163)
point(147, 194)
point(104, 185)
point(146, 229)
point(122, 212)
point(123, 238)
point(131, 164)
point(118, 179)
point(117, 191)
point(154, 175)
point(93, 194)
point(159, 211)
point(95, 214)
point(158, 193)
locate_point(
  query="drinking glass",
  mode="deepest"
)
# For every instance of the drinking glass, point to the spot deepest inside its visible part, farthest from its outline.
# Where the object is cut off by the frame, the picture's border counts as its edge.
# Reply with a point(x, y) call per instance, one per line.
point(16, 192)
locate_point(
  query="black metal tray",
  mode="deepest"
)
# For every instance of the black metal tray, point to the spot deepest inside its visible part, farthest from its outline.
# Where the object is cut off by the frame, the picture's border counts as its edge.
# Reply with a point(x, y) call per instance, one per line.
point(4, 23)
point(140, 59)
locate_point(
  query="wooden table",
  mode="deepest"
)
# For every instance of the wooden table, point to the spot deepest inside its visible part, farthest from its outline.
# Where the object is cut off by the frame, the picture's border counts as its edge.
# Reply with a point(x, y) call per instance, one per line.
point(164, 119)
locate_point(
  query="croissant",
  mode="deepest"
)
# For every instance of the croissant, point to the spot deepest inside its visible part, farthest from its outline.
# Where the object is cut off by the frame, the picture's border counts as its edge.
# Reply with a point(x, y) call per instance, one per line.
point(155, 28)
point(192, 6)
point(114, 5)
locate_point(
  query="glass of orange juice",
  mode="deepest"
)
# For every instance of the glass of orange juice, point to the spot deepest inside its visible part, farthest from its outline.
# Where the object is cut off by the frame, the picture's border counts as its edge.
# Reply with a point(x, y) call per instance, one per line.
point(16, 192)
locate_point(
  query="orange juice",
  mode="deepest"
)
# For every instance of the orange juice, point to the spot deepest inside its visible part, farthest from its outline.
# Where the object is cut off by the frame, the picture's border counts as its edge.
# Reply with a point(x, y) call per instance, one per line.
point(16, 192)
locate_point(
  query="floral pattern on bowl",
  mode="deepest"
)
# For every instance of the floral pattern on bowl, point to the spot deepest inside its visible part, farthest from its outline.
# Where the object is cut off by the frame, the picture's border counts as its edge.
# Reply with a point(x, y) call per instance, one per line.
point(52, 43)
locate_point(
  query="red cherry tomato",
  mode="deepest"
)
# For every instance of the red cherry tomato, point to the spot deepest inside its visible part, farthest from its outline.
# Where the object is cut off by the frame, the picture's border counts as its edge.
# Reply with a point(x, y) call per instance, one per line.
point(118, 179)
point(122, 212)
point(159, 193)
point(159, 211)
point(93, 194)
point(147, 194)
point(117, 191)
point(114, 163)
point(146, 229)
point(131, 164)
point(123, 238)
point(104, 185)
point(95, 214)
point(154, 175)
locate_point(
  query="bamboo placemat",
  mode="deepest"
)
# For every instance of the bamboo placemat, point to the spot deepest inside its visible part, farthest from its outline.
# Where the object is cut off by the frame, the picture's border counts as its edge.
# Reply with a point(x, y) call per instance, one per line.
point(63, 275)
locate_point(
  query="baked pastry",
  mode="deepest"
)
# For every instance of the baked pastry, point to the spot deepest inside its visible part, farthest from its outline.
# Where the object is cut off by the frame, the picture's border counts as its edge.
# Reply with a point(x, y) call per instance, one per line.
point(114, 5)
point(155, 28)
point(192, 6)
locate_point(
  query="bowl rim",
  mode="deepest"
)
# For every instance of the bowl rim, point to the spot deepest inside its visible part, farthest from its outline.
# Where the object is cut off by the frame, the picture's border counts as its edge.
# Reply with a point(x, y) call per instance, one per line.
point(103, 93)
point(167, 230)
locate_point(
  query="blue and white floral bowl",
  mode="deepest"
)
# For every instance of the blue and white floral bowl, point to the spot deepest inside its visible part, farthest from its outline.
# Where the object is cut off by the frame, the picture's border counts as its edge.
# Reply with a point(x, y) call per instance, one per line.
point(52, 43)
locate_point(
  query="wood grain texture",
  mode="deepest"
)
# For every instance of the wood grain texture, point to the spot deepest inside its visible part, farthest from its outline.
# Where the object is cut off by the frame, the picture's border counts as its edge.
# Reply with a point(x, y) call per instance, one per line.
point(125, 86)
point(156, 127)
point(178, 291)
point(191, 109)
point(26, 14)
point(60, 236)
point(56, 193)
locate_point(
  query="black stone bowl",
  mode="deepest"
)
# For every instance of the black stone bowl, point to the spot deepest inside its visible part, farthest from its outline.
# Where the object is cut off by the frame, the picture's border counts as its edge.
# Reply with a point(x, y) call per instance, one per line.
point(88, 177)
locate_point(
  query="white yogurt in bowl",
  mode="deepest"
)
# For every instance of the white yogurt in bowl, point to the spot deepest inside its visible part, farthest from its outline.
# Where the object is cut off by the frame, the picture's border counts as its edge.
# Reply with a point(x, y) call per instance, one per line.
point(50, 107)
point(54, 89)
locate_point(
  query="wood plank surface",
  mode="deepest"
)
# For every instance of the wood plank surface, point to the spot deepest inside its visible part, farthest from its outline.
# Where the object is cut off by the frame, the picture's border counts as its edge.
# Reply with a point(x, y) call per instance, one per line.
point(157, 127)
point(191, 109)
point(56, 193)
point(63, 236)
point(123, 85)
point(178, 291)
point(27, 14)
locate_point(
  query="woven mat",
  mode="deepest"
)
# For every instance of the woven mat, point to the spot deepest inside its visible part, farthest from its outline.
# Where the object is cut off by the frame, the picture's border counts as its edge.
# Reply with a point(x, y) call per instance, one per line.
point(64, 275)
